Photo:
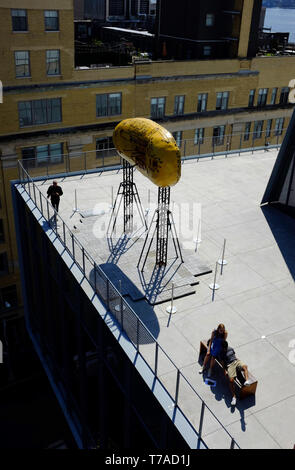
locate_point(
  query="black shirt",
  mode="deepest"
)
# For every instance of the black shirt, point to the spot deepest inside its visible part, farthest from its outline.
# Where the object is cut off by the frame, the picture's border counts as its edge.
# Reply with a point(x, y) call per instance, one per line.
point(228, 356)
point(54, 192)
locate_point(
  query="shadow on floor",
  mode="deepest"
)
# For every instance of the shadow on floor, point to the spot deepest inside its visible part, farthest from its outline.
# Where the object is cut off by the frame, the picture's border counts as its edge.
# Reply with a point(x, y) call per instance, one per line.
point(147, 329)
point(283, 230)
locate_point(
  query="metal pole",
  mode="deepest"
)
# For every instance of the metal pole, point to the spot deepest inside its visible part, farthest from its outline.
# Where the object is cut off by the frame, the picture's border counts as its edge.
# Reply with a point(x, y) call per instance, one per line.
point(215, 286)
point(232, 445)
point(156, 359)
point(177, 387)
point(94, 267)
point(64, 232)
point(137, 333)
point(222, 261)
point(83, 260)
point(73, 246)
point(201, 419)
point(171, 309)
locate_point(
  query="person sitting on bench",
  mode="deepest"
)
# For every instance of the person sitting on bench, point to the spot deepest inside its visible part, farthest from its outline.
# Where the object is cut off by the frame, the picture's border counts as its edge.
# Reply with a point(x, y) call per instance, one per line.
point(231, 364)
point(214, 347)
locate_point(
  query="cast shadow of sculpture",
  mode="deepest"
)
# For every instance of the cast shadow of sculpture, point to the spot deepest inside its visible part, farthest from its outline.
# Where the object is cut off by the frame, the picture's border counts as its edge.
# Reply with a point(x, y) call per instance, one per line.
point(142, 330)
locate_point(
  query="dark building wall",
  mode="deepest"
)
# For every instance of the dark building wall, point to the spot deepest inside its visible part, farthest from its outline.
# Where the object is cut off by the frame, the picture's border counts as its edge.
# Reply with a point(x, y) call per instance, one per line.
point(104, 398)
point(94, 9)
point(254, 33)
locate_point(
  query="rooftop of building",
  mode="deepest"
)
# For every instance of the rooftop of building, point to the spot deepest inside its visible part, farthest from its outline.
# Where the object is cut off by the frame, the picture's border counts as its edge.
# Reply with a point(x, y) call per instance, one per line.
point(255, 301)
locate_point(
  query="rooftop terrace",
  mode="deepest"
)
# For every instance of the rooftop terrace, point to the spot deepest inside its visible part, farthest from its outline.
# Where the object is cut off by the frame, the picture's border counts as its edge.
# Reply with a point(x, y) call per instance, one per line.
point(256, 299)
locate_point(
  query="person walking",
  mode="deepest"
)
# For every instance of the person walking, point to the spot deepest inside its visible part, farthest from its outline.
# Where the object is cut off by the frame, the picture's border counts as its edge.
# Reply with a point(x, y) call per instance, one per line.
point(54, 192)
point(214, 347)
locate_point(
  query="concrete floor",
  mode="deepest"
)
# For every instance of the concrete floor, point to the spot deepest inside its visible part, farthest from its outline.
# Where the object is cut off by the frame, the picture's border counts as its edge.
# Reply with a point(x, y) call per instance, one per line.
point(256, 299)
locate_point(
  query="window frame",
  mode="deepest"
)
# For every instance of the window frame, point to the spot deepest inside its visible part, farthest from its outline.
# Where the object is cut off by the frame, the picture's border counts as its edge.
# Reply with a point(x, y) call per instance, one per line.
point(107, 107)
point(179, 105)
point(19, 16)
point(247, 131)
point(24, 65)
point(177, 135)
point(36, 107)
point(251, 100)
point(274, 95)
point(284, 96)
point(201, 101)
point(47, 62)
point(41, 163)
point(199, 136)
point(157, 115)
point(257, 132)
point(268, 128)
point(216, 138)
point(223, 100)
point(262, 96)
point(279, 126)
point(45, 17)
point(209, 49)
point(212, 16)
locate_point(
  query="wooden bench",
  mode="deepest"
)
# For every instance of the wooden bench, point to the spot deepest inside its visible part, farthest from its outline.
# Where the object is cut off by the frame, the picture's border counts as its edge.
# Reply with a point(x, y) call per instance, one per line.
point(244, 390)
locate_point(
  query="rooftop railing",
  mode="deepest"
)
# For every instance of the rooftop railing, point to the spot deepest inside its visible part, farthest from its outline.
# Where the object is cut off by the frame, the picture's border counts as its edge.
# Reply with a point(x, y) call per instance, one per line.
point(197, 148)
point(203, 421)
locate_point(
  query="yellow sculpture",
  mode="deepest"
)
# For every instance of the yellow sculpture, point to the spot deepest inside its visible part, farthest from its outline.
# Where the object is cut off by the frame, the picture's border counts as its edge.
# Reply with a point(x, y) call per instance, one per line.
point(151, 148)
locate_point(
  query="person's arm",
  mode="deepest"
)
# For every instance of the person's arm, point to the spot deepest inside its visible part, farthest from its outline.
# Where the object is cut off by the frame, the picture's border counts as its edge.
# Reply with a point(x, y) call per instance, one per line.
point(60, 191)
point(48, 191)
point(210, 342)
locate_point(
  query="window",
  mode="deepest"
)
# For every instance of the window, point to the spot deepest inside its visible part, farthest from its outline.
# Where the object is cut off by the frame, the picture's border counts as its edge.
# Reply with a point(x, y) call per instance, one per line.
point(108, 104)
point(33, 113)
point(258, 126)
point(22, 63)
point(8, 298)
point(19, 20)
point(284, 95)
point(262, 96)
point(199, 136)
point(179, 105)
point(251, 98)
point(52, 62)
point(218, 135)
point(51, 20)
point(222, 100)
point(247, 131)
point(103, 145)
point(210, 18)
point(178, 137)
point(3, 264)
point(279, 126)
point(274, 96)
point(2, 237)
point(202, 102)
point(268, 128)
point(207, 51)
point(44, 154)
point(157, 108)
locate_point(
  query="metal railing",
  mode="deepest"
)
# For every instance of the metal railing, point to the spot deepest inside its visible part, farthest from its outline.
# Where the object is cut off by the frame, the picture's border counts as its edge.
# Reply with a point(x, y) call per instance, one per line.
point(190, 149)
point(130, 322)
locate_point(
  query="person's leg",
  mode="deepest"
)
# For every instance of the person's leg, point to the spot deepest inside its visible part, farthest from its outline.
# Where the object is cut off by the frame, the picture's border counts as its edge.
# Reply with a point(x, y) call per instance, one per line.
point(233, 392)
point(245, 369)
point(212, 362)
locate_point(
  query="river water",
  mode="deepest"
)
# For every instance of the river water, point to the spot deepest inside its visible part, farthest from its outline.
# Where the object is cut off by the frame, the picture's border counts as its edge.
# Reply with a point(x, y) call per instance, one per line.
point(281, 20)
